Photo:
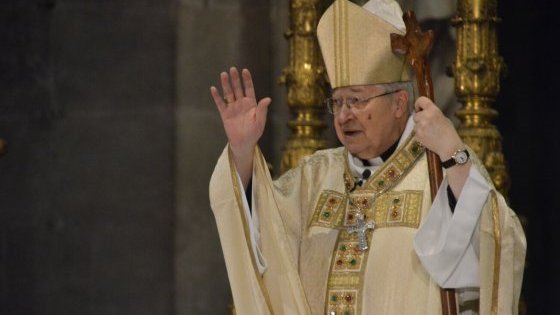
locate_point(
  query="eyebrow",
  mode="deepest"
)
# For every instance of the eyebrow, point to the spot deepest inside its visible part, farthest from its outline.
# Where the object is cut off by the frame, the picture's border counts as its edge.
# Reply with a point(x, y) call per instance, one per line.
point(355, 89)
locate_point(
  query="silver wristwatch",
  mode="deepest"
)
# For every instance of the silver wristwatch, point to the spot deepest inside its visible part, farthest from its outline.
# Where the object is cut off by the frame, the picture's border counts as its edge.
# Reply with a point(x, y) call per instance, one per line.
point(460, 157)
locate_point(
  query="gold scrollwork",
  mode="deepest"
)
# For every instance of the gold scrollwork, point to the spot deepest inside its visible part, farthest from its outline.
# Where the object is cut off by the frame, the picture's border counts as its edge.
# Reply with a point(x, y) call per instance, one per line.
point(305, 82)
point(477, 70)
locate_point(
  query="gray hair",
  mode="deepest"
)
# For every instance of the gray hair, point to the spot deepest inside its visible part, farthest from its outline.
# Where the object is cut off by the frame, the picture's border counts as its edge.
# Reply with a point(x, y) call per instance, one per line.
point(403, 85)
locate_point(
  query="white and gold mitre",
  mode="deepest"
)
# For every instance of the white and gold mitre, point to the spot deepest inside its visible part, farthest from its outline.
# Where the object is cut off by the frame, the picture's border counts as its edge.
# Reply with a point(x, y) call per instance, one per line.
point(356, 43)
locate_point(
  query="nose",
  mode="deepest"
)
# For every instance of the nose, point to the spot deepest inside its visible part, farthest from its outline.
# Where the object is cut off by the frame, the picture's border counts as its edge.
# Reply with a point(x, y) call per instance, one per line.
point(345, 113)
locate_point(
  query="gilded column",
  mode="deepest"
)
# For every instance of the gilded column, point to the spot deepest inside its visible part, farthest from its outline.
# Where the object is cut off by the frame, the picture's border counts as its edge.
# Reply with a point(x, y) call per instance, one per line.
point(477, 71)
point(305, 81)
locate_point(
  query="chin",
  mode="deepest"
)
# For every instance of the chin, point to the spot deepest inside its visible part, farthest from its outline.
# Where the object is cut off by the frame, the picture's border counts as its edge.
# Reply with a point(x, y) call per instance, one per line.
point(354, 151)
point(361, 152)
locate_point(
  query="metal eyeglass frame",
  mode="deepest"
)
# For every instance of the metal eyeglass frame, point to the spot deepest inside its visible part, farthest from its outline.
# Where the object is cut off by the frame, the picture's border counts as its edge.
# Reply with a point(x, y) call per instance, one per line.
point(352, 102)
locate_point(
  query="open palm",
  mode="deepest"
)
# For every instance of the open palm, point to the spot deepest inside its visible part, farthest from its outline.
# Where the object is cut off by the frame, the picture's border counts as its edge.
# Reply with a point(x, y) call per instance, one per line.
point(243, 118)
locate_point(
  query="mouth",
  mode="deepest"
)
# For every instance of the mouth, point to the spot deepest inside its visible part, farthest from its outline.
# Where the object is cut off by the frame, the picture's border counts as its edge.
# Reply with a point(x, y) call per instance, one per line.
point(351, 133)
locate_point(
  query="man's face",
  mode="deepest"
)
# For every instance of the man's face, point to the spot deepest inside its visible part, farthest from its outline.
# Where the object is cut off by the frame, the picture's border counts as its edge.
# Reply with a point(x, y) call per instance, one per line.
point(371, 130)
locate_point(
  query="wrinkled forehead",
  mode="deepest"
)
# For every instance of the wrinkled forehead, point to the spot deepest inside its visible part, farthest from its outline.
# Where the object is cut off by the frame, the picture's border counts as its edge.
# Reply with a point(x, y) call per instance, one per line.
point(357, 90)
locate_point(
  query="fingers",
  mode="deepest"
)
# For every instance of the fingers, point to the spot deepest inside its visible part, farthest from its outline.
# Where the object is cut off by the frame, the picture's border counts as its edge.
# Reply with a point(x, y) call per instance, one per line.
point(425, 109)
point(226, 88)
point(217, 98)
point(236, 83)
point(433, 129)
point(248, 83)
point(262, 108)
point(234, 87)
point(263, 104)
point(422, 103)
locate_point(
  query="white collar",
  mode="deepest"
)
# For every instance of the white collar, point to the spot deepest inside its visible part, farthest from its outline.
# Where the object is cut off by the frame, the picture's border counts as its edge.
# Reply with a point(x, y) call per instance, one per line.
point(357, 166)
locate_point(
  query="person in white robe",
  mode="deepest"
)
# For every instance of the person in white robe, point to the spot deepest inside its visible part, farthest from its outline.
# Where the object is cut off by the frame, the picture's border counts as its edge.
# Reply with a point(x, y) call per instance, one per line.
point(353, 230)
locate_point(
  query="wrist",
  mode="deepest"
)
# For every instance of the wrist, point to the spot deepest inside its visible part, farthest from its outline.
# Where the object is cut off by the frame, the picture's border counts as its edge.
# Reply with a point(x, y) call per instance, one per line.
point(450, 148)
point(241, 151)
point(459, 158)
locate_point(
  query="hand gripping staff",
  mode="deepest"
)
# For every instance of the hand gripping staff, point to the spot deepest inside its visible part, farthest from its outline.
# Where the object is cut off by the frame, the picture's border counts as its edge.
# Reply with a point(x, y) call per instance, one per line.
point(415, 46)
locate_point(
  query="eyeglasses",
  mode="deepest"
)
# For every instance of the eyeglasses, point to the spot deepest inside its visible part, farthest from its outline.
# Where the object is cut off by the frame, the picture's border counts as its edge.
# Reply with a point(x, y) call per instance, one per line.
point(334, 105)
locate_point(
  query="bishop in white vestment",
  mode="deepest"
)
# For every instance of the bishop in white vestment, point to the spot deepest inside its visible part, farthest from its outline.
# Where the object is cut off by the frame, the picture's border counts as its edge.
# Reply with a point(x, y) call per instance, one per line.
point(353, 230)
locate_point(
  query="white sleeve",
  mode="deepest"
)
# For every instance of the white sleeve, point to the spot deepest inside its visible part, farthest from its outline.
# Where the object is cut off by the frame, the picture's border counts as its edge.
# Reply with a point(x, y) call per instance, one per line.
point(253, 223)
point(447, 243)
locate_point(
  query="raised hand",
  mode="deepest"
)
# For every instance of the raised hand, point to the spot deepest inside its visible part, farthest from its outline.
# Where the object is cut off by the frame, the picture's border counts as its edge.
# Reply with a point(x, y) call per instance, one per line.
point(243, 117)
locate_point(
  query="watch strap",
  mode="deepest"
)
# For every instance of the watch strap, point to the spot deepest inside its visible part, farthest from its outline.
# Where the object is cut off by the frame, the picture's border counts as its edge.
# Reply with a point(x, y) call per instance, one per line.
point(448, 163)
point(452, 161)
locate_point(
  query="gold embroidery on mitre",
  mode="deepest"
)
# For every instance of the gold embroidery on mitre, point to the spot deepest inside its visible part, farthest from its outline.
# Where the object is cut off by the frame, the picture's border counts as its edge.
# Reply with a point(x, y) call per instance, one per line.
point(341, 44)
point(356, 47)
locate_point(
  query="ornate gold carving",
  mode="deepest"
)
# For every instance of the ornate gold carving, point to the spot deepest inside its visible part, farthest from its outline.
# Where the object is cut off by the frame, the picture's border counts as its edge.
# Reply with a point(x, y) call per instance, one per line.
point(477, 72)
point(306, 84)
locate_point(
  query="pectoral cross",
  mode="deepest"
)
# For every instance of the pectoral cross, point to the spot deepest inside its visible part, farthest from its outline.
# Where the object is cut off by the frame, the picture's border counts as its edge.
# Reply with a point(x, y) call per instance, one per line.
point(361, 228)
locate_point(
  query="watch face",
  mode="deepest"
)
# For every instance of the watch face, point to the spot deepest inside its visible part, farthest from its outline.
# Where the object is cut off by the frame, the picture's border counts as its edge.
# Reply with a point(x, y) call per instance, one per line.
point(461, 157)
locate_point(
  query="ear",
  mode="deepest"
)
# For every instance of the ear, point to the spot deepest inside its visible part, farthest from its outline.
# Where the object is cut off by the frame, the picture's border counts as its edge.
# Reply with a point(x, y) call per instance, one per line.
point(400, 100)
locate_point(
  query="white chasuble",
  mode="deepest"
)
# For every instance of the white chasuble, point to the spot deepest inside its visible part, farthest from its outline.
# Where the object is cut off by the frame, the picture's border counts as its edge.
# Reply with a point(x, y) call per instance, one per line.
point(313, 265)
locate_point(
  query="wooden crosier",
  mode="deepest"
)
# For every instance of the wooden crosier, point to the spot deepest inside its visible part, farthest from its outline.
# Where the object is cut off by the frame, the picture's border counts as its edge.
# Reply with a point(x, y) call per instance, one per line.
point(415, 45)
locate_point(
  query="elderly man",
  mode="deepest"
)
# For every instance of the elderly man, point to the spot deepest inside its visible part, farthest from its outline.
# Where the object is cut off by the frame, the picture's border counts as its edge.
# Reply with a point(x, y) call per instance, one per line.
point(353, 230)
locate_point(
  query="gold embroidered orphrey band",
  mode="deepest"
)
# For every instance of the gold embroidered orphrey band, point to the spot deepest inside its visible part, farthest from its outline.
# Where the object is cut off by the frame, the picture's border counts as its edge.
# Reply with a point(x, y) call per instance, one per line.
point(376, 201)
point(341, 54)
point(497, 253)
point(238, 191)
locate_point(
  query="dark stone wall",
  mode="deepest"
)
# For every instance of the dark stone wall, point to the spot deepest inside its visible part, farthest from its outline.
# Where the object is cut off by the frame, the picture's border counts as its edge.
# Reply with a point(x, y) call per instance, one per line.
point(213, 36)
point(528, 121)
point(87, 183)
